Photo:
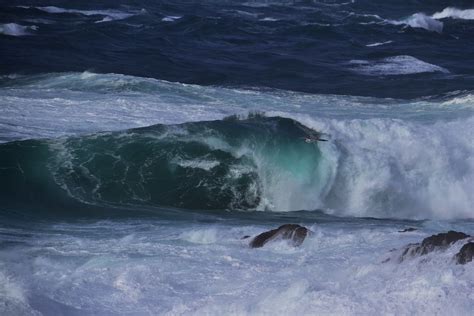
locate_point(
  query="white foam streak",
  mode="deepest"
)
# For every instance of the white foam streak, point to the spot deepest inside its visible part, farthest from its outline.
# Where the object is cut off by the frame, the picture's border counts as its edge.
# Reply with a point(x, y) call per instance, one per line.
point(269, 19)
point(109, 15)
point(14, 29)
point(455, 13)
point(171, 18)
point(379, 44)
point(197, 164)
point(396, 65)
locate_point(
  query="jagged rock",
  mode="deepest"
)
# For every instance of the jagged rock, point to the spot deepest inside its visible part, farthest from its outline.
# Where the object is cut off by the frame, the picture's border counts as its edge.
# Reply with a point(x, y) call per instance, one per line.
point(432, 243)
point(465, 254)
point(296, 234)
point(441, 240)
point(409, 229)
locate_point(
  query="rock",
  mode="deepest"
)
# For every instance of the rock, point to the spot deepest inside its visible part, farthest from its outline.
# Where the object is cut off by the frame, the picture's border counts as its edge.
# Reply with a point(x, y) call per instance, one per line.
point(441, 240)
point(465, 254)
point(296, 234)
point(409, 229)
point(432, 243)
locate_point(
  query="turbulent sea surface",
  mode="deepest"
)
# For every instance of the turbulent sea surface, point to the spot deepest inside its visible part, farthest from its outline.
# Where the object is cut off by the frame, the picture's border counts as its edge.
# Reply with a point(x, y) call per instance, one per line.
point(141, 140)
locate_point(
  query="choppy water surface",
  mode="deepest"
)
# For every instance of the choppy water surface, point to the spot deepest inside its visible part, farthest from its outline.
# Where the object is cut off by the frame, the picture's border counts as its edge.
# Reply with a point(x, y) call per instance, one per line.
point(141, 140)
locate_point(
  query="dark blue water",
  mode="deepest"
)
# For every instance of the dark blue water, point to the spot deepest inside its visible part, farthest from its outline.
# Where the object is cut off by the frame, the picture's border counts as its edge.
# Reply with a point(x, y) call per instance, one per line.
point(311, 46)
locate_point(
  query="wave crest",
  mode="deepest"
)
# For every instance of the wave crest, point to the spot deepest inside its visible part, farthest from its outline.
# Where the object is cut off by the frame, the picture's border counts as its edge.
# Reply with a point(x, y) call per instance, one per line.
point(396, 65)
point(419, 20)
point(14, 29)
point(455, 13)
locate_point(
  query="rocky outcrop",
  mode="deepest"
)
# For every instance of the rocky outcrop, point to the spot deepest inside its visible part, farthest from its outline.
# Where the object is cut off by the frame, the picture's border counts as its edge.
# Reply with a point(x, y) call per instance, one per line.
point(295, 234)
point(465, 254)
point(432, 243)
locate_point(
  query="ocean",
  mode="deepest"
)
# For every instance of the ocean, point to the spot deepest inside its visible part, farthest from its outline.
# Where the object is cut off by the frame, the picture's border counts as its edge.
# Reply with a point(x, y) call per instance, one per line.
point(140, 141)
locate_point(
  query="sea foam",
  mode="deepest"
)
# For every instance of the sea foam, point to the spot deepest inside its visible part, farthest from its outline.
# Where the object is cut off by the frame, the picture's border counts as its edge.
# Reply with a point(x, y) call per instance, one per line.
point(455, 14)
point(431, 23)
point(14, 29)
point(396, 65)
point(420, 20)
point(379, 44)
point(109, 15)
point(171, 18)
point(206, 269)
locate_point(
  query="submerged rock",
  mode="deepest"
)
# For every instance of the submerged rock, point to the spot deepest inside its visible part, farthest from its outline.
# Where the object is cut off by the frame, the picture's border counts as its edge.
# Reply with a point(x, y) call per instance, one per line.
point(465, 254)
point(296, 234)
point(409, 229)
point(432, 243)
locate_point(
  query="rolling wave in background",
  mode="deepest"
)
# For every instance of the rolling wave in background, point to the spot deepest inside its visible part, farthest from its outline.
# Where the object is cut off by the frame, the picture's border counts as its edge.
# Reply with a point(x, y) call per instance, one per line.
point(303, 46)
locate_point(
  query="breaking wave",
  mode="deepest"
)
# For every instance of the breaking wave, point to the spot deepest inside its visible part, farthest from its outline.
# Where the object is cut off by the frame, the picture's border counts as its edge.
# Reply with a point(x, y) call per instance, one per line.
point(396, 65)
point(419, 20)
point(255, 163)
point(431, 23)
point(376, 167)
point(455, 14)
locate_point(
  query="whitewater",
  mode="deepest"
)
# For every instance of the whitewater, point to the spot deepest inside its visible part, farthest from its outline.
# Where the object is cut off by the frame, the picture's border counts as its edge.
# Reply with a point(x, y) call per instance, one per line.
point(386, 158)
point(410, 161)
point(144, 145)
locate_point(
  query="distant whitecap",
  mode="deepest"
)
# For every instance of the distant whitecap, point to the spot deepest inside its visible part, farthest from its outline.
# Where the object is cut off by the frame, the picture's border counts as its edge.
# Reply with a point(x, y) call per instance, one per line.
point(14, 29)
point(109, 15)
point(396, 65)
point(420, 20)
point(171, 18)
point(268, 19)
point(378, 44)
point(455, 14)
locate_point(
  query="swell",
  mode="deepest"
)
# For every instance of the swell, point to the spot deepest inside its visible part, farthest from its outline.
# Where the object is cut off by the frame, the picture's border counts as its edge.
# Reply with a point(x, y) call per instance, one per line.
point(300, 46)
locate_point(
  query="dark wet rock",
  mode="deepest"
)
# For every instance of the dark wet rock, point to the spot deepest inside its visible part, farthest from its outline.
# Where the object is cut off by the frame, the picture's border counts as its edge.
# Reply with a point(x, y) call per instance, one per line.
point(406, 230)
point(296, 234)
point(442, 240)
point(245, 237)
point(465, 254)
point(432, 243)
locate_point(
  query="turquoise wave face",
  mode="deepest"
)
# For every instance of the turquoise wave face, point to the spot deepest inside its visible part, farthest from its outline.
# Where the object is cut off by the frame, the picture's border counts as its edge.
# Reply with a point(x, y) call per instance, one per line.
point(246, 164)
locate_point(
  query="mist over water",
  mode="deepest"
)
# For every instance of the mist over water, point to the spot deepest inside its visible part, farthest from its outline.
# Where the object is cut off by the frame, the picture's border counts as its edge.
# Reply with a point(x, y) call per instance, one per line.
point(141, 140)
